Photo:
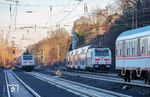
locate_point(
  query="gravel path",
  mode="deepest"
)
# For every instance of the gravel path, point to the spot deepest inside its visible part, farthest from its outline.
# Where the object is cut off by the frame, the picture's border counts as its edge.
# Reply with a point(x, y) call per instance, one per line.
point(42, 88)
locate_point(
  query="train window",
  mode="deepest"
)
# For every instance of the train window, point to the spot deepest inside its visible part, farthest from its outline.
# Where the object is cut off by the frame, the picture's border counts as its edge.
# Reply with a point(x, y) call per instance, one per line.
point(135, 47)
point(123, 48)
point(138, 47)
point(83, 51)
point(91, 53)
point(117, 52)
point(76, 52)
point(133, 51)
point(70, 53)
point(149, 45)
point(144, 47)
point(143, 50)
point(128, 51)
point(27, 57)
point(120, 52)
point(101, 52)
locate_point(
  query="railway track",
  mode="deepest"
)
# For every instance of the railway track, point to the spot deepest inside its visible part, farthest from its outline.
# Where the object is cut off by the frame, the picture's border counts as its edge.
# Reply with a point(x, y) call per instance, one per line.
point(77, 88)
point(16, 87)
point(93, 73)
point(106, 78)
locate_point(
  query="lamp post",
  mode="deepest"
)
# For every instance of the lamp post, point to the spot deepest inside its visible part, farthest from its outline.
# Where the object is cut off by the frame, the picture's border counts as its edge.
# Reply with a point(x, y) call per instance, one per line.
point(58, 54)
point(43, 58)
point(4, 61)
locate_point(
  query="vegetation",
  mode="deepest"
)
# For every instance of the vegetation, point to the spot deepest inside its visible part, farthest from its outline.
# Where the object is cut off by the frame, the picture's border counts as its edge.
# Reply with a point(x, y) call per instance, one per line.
point(6, 55)
point(93, 27)
point(53, 49)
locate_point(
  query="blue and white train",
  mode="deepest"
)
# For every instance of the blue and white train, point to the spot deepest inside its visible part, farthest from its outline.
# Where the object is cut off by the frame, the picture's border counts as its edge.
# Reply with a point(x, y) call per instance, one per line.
point(87, 58)
point(133, 52)
point(25, 61)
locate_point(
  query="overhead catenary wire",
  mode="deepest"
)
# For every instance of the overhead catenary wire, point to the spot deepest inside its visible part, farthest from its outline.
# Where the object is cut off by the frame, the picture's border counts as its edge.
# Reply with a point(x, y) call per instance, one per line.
point(60, 11)
point(30, 5)
point(69, 12)
point(70, 21)
point(70, 17)
point(38, 5)
point(65, 5)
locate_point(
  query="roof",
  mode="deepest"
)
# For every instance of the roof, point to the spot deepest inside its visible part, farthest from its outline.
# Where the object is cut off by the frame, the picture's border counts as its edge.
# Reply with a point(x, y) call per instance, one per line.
point(139, 32)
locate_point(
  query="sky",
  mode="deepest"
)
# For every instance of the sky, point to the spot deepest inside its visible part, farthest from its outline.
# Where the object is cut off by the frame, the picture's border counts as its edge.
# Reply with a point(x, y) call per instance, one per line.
point(42, 16)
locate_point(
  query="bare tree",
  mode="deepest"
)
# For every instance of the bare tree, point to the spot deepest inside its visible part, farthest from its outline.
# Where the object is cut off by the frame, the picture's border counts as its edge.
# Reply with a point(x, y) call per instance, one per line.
point(47, 49)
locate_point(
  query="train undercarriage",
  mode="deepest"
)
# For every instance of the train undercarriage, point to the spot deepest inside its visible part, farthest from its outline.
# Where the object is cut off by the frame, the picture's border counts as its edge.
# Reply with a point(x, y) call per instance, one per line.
point(135, 74)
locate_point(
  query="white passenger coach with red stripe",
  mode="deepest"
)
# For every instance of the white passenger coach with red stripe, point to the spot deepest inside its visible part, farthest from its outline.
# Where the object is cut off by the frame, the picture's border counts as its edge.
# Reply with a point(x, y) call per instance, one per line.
point(89, 58)
point(133, 51)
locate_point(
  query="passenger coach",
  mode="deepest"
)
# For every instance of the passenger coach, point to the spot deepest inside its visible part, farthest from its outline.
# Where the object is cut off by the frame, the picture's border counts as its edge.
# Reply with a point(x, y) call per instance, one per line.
point(133, 52)
point(89, 58)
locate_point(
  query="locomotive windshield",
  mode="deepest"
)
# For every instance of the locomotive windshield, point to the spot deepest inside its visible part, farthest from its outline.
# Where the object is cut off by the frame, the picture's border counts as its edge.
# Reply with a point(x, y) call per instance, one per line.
point(101, 52)
point(27, 57)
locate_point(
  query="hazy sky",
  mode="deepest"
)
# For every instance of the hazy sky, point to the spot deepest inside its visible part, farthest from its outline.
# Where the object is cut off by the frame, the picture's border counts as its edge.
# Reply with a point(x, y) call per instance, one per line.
point(40, 15)
point(41, 10)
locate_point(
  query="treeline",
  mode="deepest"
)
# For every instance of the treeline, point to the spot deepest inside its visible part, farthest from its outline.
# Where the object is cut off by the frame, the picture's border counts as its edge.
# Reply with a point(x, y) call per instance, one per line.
point(6, 55)
point(53, 49)
point(87, 30)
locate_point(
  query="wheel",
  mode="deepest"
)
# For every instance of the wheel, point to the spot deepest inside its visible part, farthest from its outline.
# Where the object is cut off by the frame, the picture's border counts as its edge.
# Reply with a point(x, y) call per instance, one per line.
point(149, 80)
point(134, 75)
